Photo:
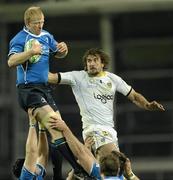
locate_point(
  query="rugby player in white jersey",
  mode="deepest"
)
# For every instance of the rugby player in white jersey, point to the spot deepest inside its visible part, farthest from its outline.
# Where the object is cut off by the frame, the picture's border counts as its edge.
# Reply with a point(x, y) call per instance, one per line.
point(94, 90)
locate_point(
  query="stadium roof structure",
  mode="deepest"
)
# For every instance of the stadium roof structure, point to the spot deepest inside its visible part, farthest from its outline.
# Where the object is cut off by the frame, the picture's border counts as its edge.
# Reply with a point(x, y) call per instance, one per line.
point(14, 12)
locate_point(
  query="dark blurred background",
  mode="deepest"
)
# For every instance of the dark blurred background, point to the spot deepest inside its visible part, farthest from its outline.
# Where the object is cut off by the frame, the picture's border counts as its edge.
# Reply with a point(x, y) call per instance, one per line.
point(138, 35)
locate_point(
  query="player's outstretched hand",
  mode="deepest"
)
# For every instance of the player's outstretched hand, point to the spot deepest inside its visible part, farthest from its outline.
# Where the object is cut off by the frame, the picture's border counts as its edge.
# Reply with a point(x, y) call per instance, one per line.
point(153, 106)
point(62, 47)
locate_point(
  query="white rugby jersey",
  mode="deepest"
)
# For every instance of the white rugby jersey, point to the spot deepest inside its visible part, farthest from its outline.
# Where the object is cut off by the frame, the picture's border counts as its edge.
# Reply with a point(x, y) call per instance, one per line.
point(95, 95)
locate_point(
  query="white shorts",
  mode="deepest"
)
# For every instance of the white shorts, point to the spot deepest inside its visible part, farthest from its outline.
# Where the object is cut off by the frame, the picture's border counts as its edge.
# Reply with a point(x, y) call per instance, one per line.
point(101, 134)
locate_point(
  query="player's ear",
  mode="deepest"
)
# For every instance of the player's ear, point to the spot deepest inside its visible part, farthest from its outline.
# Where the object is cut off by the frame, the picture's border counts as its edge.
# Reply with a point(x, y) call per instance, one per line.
point(85, 68)
point(103, 65)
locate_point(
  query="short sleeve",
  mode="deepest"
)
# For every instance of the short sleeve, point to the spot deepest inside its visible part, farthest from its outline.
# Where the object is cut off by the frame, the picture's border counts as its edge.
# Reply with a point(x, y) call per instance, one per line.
point(16, 46)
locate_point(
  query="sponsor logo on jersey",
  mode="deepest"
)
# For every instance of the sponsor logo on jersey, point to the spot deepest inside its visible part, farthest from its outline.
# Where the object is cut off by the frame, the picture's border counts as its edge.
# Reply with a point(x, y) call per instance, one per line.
point(109, 84)
point(103, 97)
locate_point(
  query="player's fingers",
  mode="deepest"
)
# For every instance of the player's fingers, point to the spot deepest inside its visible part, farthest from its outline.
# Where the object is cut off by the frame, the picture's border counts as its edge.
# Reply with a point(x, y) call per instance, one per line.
point(161, 107)
point(52, 119)
point(62, 45)
point(62, 49)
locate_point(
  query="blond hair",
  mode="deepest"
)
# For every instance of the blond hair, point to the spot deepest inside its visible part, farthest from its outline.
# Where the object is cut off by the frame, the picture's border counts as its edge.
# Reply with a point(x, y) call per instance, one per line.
point(32, 13)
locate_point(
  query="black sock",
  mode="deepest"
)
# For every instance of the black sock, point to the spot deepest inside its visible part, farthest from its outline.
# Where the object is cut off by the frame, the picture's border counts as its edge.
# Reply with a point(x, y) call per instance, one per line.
point(57, 160)
point(64, 149)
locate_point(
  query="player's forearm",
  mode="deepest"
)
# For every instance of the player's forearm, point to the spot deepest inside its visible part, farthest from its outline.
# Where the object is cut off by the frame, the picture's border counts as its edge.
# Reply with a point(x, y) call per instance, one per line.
point(43, 148)
point(75, 145)
point(143, 103)
point(79, 150)
point(19, 58)
point(53, 78)
point(31, 149)
point(140, 101)
point(31, 143)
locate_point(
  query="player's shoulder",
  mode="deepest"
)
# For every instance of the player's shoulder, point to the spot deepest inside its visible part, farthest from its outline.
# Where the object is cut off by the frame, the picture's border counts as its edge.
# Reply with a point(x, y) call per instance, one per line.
point(46, 36)
point(46, 33)
point(110, 74)
point(113, 76)
point(79, 73)
point(19, 36)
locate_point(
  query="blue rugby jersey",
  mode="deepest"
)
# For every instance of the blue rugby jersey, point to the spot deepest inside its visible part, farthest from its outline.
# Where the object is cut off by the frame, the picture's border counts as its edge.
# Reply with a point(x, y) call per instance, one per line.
point(95, 172)
point(27, 175)
point(33, 72)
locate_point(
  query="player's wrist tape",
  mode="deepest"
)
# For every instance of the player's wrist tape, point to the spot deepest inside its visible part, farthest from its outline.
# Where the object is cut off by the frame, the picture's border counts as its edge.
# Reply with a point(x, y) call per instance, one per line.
point(131, 176)
point(41, 127)
point(32, 125)
point(42, 130)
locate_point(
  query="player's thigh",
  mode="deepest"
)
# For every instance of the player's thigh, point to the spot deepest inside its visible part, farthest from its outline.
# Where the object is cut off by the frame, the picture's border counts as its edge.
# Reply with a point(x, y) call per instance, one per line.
point(58, 114)
point(43, 115)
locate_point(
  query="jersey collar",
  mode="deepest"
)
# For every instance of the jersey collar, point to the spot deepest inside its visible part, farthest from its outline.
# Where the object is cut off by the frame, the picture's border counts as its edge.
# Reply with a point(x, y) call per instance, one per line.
point(100, 74)
point(27, 31)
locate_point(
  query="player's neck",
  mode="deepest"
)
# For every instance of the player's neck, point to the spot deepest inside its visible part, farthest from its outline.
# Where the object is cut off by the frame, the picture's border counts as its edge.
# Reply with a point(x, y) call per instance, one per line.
point(100, 74)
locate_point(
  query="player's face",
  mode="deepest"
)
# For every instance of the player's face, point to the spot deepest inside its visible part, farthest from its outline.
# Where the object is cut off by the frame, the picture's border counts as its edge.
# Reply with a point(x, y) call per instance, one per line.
point(36, 24)
point(94, 65)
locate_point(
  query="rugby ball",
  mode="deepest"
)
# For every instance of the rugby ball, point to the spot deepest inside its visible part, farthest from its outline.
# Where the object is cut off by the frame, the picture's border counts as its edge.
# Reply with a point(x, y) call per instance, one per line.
point(28, 46)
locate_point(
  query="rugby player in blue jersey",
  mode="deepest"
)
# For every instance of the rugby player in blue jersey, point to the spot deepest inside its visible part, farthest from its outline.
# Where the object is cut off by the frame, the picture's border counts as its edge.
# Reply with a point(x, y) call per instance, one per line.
point(29, 52)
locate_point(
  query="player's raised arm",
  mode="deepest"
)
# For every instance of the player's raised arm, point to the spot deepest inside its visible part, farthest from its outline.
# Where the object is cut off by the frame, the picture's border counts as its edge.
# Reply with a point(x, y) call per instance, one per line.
point(143, 103)
point(82, 153)
point(128, 173)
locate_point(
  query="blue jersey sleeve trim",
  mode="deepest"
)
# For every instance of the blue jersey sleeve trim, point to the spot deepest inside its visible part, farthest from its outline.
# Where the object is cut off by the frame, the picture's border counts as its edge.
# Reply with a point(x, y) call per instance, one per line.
point(41, 169)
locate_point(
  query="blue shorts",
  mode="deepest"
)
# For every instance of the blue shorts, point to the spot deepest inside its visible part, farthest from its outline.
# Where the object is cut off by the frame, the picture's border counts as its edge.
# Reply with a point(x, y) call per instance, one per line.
point(35, 95)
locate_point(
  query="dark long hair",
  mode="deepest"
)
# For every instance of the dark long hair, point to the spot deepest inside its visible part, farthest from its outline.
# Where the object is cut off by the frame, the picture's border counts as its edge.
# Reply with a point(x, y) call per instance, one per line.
point(96, 51)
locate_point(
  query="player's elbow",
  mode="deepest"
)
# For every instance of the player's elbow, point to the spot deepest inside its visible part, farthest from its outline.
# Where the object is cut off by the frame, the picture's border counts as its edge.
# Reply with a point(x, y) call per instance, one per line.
point(10, 63)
